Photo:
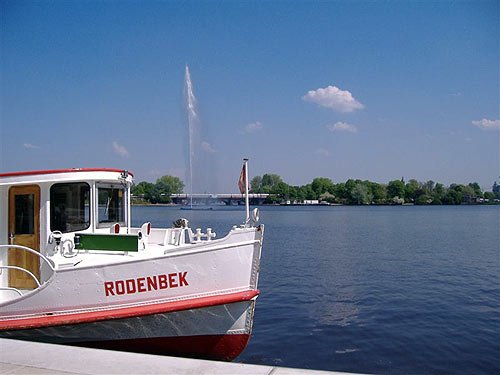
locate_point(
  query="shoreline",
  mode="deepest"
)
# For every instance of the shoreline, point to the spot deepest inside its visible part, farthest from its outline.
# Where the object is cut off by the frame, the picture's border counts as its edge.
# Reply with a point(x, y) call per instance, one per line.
point(317, 205)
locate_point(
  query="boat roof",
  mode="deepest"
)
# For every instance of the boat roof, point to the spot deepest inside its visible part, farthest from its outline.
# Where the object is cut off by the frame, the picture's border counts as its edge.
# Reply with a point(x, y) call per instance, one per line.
point(68, 174)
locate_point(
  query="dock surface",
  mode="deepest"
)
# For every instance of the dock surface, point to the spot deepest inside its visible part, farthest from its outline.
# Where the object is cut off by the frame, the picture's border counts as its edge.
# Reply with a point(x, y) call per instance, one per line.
point(26, 357)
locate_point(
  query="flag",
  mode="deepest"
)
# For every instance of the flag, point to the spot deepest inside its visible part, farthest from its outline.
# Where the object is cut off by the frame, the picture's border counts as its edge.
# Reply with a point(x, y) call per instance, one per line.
point(242, 180)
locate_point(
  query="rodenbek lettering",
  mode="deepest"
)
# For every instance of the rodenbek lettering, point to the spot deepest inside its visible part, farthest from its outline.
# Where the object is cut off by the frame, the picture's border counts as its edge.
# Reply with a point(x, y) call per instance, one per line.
point(146, 284)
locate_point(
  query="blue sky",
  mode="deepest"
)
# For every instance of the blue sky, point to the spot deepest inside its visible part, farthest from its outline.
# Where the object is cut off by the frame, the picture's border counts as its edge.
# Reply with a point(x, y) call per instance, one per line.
point(366, 89)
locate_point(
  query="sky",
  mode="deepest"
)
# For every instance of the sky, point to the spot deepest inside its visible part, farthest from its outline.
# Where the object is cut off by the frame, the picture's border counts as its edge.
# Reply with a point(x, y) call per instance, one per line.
point(375, 90)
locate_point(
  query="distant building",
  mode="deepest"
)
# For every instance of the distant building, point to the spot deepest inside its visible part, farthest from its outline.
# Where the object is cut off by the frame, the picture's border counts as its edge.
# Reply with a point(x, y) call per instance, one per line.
point(495, 188)
point(311, 201)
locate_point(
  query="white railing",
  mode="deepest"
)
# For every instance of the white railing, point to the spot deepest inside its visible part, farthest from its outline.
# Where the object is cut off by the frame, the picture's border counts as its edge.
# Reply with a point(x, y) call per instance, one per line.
point(21, 269)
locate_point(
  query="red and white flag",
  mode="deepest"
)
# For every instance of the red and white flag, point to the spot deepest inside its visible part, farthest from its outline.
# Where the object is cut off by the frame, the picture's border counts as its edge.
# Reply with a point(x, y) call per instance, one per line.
point(242, 180)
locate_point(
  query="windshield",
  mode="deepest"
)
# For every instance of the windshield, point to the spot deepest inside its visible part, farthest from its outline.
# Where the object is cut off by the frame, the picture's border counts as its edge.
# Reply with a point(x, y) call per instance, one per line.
point(111, 209)
point(69, 207)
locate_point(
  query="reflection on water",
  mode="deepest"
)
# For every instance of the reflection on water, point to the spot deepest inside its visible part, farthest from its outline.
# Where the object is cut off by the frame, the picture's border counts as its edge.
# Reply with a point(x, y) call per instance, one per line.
point(336, 313)
point(345, 351)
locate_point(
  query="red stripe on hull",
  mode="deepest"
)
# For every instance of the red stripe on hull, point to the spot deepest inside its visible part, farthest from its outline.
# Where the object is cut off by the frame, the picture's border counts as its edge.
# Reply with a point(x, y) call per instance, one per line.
point(217, 347)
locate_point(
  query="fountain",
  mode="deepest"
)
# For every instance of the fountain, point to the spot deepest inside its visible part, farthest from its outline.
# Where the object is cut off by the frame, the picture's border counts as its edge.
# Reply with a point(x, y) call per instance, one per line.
point(193, 129)
point(200, 174)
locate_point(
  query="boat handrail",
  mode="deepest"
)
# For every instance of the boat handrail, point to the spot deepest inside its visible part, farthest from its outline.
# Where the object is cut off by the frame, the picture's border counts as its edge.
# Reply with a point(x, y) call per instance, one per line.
point(29, 250)
point(11, 289)
point(22, 270)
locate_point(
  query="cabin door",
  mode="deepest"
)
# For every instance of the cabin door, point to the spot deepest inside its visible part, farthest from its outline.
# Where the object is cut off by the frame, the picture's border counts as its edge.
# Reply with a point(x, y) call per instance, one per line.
point(24, 230)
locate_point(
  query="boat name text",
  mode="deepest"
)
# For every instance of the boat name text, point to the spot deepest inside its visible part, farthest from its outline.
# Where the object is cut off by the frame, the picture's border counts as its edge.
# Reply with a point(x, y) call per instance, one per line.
point(145, 284)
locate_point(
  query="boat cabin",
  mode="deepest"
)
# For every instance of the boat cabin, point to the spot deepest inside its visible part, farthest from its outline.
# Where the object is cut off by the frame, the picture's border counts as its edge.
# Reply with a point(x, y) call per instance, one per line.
point(56, 219)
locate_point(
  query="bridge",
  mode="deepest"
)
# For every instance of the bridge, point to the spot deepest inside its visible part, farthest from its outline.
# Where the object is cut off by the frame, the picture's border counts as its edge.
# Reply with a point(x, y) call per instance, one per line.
point(228, 199)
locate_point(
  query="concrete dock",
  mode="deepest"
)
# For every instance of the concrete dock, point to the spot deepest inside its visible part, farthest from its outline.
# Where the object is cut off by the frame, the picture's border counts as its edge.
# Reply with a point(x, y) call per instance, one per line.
point(25, 357)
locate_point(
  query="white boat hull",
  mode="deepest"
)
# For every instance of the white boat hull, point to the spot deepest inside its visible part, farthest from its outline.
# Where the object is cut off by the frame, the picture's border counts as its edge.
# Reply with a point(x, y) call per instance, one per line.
point(197, 303)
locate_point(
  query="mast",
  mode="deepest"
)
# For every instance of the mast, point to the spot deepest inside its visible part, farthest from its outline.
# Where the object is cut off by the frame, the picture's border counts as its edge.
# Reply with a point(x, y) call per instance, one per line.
point(247, 200)
point(243, 186)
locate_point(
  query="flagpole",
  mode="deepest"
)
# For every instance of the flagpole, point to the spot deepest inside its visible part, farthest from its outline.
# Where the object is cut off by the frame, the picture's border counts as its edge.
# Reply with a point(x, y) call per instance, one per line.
point(247, 201)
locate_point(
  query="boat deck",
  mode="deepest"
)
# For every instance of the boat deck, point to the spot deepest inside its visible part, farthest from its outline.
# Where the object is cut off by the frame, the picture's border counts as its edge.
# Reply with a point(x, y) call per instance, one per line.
point(25, 357)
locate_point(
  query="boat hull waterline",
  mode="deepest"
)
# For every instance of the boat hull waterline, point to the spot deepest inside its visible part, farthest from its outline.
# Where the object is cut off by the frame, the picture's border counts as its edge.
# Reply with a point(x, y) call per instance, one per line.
point(210, 327)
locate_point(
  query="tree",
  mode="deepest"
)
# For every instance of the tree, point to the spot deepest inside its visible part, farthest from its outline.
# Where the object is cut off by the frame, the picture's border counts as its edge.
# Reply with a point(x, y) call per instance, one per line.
point(361, 194)
point(452, 196)
point(141, 188)
point(147, 191)
point(169, 185)
point(327, 197)
point(256, 184)
point(152, 194)
point(429, 186)
point(307, 192)
point(282, 189)
point(159, 192)
point(340, 191)
point(270, 182)
point(438, 193)
point(468, 194)
point(379, 192)
point(439, 189)
point(396, 188)
point(296, 193)
point(411, 190)
point(322, 185)
point(476, 188)
point(457, 187)
point(423, 199)
point(349, 187)
point(490, 196)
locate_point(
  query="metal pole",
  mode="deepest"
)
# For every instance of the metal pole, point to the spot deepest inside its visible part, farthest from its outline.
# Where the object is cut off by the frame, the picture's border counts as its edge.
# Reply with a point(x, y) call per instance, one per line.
point(247, 201)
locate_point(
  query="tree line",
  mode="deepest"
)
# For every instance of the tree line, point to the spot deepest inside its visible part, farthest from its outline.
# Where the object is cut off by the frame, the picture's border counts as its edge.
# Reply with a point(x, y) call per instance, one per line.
point(158, 192)
point(322, 189)
point(359, 192)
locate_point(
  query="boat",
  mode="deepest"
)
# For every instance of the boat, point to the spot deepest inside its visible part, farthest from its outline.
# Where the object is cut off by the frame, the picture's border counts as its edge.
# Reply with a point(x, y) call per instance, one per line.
point(74, 271)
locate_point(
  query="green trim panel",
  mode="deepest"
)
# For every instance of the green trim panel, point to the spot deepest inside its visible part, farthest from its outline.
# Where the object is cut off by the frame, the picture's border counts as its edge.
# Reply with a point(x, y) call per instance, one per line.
point(109, 242)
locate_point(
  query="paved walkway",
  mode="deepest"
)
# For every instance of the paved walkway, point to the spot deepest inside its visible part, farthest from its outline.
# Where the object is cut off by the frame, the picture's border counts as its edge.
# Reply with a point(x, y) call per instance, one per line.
point(24, 357)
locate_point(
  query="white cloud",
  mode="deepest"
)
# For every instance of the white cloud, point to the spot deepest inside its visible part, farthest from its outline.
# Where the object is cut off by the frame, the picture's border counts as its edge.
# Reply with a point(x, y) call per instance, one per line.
point(30, 146)
point(342, 127)
point(120, 150)
point(487, 124)
point(253, 127)
point(205, 146)
point(323, 152)
point(334, 98)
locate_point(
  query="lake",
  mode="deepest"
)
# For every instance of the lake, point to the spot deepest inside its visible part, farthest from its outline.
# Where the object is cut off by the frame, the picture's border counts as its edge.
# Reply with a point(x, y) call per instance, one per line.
point(388, 289)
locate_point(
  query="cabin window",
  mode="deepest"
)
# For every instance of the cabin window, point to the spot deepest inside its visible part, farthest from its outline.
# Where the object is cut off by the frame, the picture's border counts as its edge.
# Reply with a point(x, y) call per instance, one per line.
point(69, 207)
point(25, 218)
point(111, 201)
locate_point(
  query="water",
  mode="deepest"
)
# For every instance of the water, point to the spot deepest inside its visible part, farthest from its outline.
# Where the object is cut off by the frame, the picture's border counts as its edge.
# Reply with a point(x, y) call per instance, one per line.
point(372, 289)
